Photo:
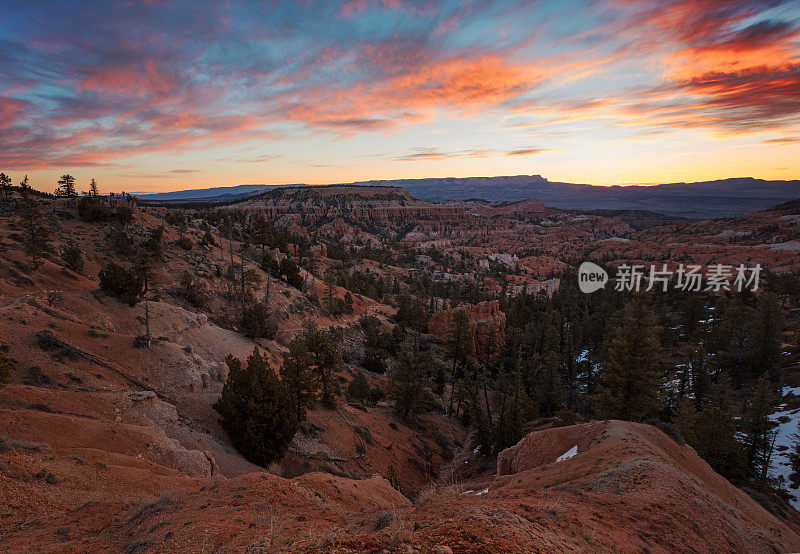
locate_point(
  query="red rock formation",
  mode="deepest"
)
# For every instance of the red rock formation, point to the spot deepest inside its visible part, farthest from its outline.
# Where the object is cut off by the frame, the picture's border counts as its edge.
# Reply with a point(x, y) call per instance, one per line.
point(487, 325)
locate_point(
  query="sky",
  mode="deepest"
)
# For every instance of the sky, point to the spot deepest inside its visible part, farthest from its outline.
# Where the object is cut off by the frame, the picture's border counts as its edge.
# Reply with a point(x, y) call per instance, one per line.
point(153, 95)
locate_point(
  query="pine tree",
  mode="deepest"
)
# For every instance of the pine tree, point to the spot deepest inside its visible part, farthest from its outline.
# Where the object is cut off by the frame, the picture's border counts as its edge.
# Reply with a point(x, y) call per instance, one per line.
point(262, 233)
point(764, 333)
point(513, 410)
point(34, 230)
point(629, 380)
point(72, 257)
point(25, 184)
point(257, 321)
point(729, 337)
point(758, 430)
point(712, 433)
point(94, 192)
point(548, 384)
point(794, 457)
point(408, 384)
point(66, 186)
point(255, 410)
point(299, 378)
point(701, 380)
point(459, 346)
point(325, 358)
point(5, 184)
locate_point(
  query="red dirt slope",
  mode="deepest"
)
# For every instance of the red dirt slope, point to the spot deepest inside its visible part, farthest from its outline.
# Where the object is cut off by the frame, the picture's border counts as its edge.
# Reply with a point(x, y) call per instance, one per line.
point(630, 488)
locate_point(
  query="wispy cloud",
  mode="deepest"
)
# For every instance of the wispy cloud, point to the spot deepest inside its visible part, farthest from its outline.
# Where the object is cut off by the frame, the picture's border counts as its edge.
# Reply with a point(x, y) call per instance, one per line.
point(79, 89)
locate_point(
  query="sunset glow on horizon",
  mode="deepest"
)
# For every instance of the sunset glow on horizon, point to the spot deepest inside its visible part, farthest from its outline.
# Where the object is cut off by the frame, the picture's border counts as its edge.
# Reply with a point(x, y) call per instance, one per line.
point(160, 96)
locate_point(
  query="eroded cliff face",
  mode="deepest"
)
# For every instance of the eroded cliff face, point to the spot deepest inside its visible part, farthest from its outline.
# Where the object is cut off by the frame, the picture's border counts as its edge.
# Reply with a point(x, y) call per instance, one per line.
point(369, 204)
point(487, 326)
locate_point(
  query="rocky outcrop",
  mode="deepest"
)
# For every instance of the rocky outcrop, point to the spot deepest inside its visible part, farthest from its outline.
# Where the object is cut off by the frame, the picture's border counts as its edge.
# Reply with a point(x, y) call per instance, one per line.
point(487, 326)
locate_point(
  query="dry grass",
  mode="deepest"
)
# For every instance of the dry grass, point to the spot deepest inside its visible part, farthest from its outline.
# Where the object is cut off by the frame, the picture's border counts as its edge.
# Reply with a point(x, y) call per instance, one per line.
point(400, 531)
point(275, 468)
point(444, 490)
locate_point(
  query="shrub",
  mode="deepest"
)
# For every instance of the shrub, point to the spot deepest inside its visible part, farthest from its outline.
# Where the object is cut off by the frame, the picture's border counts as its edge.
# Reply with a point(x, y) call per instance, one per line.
point(291, 272)
point(153, 243)
point(669, 429)
point(257, 322)
point(194, 289)
point(270, 266)
point(255, 410)
point(72, 258)
point(375, 359)
point(393, 477)
point(358, 389)
point(376, 394)
point(125, 284)
point(123, 214)
point(93, 209)
point(185, 243)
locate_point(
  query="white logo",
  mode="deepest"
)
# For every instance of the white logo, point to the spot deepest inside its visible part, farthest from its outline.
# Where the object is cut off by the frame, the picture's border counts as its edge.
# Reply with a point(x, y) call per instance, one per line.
point(591, 277)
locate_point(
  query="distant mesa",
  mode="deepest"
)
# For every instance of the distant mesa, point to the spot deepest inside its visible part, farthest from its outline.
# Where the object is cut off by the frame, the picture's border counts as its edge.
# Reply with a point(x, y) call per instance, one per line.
point(707, 199)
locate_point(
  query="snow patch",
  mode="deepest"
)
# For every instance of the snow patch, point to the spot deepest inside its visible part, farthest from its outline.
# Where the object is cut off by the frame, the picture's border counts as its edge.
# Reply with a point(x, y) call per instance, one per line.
point(781, 466)
point(790, 390)
point(568, 454)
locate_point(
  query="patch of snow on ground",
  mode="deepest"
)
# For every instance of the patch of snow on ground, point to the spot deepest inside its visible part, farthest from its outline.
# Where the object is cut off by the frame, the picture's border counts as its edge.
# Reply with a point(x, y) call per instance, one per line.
point(484, 491)
point(780, 464)
point(790, 390)
point(568, 454)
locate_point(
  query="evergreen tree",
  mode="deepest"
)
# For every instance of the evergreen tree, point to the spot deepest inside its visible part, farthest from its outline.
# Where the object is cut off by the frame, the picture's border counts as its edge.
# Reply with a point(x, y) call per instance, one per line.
point(764, 334)
point(72, 257)
point(548, 384)
point(34, 230)
point(359, 389)
point(459, 346)
point(794, 457)
point(126, 284)
point(758, 431)
point(25, 184)
point(299, 378)
point(255, 410)
point(629, 379)
point(66, 186)
point(257, 321)
point(325, 358)
point(712, 433)
point(262, 233)
point(291, 272)
point(94, 192)
point(513, 409)
point(701, 380)
point(408, 384)
point(729, 337)
point(5, 184)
